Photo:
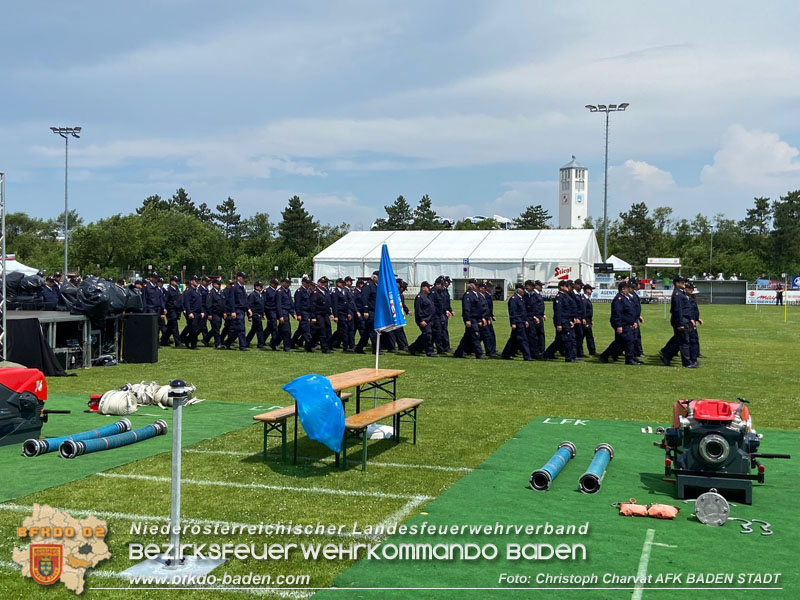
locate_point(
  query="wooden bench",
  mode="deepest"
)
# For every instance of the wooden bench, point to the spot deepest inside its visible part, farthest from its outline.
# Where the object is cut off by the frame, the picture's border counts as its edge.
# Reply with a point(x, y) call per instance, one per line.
point(275, 420)
point(358, 423)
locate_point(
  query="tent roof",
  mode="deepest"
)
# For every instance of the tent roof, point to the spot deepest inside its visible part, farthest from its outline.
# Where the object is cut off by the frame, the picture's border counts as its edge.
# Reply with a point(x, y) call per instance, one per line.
point(619, 264)
point(354, 246)
point(559, 245)
point(14, 266)
point(454, 246)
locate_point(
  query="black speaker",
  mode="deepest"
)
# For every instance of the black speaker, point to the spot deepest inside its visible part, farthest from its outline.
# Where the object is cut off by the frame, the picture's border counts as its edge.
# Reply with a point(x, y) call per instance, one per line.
point(140, 338)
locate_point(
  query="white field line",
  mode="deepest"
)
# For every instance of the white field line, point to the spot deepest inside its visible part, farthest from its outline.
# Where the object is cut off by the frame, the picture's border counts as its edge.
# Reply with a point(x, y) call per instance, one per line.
point(106, 574)
point(322, 459)
point(264, 486)
point(641, 573)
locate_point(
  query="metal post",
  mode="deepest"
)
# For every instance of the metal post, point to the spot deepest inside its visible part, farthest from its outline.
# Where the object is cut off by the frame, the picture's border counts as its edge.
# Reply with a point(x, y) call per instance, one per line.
point(178, 394)
point(605, 199)
point(66, 209)
point(3, 261)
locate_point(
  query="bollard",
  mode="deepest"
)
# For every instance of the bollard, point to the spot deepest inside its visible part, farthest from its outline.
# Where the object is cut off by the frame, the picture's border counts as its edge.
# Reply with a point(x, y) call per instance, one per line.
point(178, 394)
point(542, 478)
point(590, 481)
point(37, 447)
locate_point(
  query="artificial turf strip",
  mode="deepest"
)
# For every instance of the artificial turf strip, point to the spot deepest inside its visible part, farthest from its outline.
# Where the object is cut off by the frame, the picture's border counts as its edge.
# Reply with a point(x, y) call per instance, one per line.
point(200, 421)
point(498, 492)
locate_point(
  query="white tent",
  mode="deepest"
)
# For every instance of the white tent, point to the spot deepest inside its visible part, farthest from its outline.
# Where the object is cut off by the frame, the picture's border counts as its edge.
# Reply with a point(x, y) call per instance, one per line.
point(502, 256)
point(14, 266)
point(619, 264)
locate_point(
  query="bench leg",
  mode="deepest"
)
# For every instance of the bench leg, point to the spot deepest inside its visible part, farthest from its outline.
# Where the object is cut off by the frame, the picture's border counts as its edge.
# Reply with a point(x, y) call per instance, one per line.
point(294, 461)
point(336, 460)
point(265, 441)
point(415, 424)
point(364, 450)
point(283, 442)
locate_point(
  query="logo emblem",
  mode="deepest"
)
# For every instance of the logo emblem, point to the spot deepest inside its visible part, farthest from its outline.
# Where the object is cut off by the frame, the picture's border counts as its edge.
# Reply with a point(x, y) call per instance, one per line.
point(46, 563)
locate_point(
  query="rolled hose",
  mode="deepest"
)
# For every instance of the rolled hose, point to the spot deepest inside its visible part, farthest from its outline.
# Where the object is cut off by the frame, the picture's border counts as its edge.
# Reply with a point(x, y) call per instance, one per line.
point(591, 480)
point(73, 449)
point(542, 478)
point(34, 447)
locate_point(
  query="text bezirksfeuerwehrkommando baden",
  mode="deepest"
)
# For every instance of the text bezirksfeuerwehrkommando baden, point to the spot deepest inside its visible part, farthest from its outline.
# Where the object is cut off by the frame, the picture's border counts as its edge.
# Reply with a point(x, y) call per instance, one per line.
point(391, 550)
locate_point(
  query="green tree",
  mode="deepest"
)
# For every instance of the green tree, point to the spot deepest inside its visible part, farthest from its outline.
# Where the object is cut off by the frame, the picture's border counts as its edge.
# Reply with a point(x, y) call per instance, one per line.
point(469, 225)
point(424, 216)
point(181, 202)
point(533, 217)
point(228, 219)
point(297, 229)
point(152, 202)
point(786, 235)
point(56, 226)
point(759, 218)
point(204, 213)
point(398, 216)
point(635, 233)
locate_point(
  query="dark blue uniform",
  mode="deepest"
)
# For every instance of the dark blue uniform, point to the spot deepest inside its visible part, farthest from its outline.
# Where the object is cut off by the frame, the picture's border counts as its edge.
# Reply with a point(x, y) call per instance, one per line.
point(192, 310)
point(694, 338)
point(564, 315)
point(637, 333)
point(152, 299)
point(50, 297)
point(270, 295)
point(215, 313)
point(360, 325)
point(445, 320)
point(680, 319)
point(255, 302)
point(520, 324)
point(537, 310)
point(488, 336)
point(303, 309)
point(284, 310)
point(588, 329)
point(580, 310)
point(472, 314)
point(238, 298)
point(424, 314)
point(623, 319)
point(321, 325)
point(440, 300)
point(173, 307)
point(340, 307)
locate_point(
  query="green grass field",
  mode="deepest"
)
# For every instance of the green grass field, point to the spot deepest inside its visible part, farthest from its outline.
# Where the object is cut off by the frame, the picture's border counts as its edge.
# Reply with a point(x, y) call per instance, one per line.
point(471, 408)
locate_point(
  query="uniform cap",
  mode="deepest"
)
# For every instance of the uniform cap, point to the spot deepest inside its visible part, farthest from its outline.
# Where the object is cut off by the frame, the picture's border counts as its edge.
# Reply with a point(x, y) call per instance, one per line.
point(160, 280)
point(240, 274)
point(154, 274)
point(339, 280)
point(471, 281)
point(348, 278)
point(424, 284)
point(57, 274)
point(205, 278)
point(286, 280)
point(447, 279)
point(587, 287)
point(520, 286)
point(564, 282)
point(258, 284)
point(578, 282)
point(537, 282)
point(216, 282)
point(690, 285)
point(482, 284)
point(623, 284)
point(174, 278)
point(376, 272)
point(195, 278)
point(439, 279)
point(679, 279)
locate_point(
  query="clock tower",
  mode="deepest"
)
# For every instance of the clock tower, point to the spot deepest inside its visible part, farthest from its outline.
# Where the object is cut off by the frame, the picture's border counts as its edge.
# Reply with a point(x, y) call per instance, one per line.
point(573, 193)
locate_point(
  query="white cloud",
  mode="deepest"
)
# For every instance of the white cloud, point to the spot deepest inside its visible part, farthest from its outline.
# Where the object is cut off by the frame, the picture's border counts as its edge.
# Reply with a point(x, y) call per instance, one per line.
point(753, 158)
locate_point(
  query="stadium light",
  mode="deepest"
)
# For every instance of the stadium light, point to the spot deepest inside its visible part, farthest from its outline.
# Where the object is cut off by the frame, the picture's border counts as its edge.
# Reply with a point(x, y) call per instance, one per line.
point(606, 109)
point(66, 132)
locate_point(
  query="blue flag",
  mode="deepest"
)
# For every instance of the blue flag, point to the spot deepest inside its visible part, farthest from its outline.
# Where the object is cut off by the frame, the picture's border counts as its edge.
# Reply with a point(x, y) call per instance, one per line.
point(388, 308)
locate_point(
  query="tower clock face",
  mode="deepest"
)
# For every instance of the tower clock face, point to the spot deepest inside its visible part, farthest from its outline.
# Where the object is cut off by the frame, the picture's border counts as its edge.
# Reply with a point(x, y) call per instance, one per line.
point(564, 199)
point(579, 199)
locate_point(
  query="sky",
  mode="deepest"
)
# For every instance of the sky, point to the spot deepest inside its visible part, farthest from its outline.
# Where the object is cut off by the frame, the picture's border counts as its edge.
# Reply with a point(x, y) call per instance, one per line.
point(350, 104)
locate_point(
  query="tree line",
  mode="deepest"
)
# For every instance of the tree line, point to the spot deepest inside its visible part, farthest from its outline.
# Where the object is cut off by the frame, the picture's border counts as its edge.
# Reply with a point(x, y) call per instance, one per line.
point(173, 233)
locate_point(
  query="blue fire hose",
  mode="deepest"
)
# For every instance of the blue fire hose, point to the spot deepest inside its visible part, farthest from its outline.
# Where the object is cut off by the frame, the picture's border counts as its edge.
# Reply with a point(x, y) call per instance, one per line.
point(542, 478)
point(36, 447)
point(73, 449)
point(590, 481)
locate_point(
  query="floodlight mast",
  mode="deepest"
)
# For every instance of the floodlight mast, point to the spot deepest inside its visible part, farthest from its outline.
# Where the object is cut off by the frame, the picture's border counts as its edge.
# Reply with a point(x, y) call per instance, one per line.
point(66, 132)
point(606, 109)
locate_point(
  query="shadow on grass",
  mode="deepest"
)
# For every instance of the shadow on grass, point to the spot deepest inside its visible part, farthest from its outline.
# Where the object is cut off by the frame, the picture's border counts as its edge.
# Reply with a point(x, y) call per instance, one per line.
point(310, 463)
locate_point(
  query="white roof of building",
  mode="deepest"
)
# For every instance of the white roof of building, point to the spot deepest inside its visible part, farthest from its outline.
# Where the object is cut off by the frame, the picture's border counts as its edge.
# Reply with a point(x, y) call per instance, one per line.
point(487, 246)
